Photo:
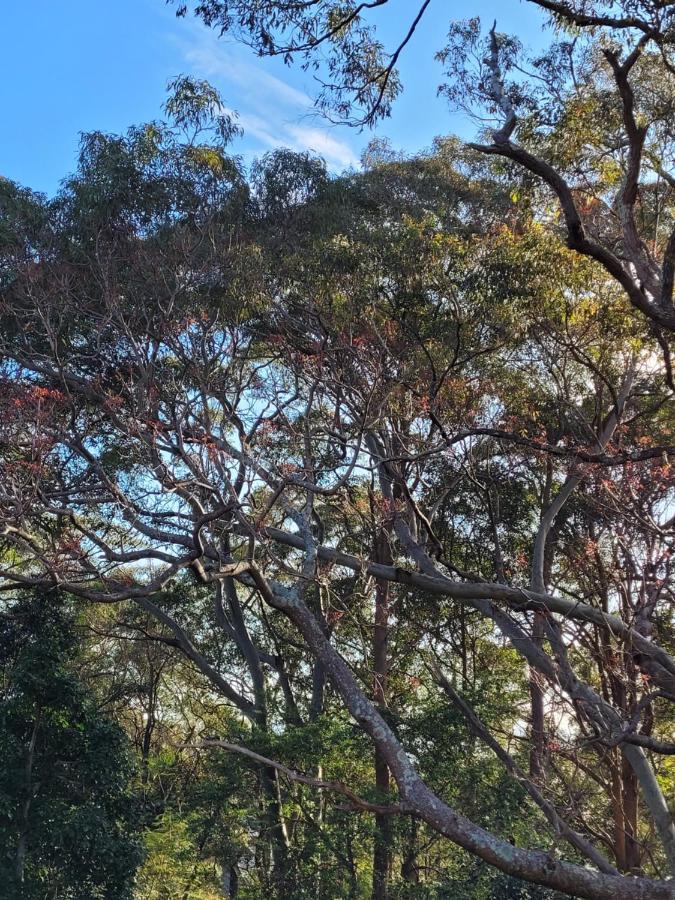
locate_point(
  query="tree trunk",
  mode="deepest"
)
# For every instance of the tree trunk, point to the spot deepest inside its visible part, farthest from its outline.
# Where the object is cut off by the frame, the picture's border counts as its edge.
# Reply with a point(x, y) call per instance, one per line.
point(276, 831)
point(22, 845)
point(230, 881)
point(537, 706)
point(618, 813)
point(409, 871)
point(530, 865)
point(383, 829)
point(629, 792)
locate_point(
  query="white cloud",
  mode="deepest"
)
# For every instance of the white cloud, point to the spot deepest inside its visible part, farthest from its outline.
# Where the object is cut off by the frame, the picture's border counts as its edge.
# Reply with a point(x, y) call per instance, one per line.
point(224, 61)
point(323, 143)
point(269, 109)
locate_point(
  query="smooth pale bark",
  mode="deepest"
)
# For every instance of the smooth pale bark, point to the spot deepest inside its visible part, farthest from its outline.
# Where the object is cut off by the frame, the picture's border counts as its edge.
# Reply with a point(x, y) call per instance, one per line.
point(417, 799)
point(537, 714)
point(470, 592)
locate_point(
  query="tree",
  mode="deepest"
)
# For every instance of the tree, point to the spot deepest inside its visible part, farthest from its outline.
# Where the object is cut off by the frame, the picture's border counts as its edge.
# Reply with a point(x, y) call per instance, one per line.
point(612, 179)
point(593, 114)
point(67, 818)
point(219, 396)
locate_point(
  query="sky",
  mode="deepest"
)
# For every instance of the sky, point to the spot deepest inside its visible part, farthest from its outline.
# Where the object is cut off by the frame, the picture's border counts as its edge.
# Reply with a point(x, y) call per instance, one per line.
point(72, 66)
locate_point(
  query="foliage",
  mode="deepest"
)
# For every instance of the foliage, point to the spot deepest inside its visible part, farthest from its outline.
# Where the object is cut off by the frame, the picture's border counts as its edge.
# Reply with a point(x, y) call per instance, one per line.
point(67, 813)
point(364, 487)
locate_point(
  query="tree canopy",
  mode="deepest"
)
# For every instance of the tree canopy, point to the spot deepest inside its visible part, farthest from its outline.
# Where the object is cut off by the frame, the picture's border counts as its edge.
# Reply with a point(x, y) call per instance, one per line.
point(349, 499)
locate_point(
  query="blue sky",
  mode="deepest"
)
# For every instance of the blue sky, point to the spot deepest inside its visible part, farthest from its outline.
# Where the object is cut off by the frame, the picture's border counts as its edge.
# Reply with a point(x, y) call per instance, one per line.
point(68, 66)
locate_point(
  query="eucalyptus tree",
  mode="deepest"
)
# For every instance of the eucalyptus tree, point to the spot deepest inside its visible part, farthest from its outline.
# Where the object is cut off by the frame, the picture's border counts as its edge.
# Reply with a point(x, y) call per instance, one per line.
point(588, 122)
point(296, 394)
point(590, 118)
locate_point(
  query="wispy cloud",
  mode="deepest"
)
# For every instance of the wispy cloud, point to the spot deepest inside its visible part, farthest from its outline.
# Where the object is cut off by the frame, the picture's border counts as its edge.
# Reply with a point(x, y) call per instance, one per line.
point(224, 61)
point(270, 110)
point(322, 142)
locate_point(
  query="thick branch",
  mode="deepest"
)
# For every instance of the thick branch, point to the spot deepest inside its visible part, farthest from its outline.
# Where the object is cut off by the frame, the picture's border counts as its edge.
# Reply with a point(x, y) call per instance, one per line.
point(529, 865)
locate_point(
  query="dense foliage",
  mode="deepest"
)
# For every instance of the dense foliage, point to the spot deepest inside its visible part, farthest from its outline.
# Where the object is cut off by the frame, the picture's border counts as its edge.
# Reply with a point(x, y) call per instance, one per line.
point(66, 824)
point(347, 501)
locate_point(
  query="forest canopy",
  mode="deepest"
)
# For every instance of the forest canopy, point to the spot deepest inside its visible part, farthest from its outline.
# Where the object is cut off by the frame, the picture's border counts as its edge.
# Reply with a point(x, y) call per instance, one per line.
point(336, 511)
